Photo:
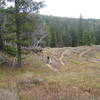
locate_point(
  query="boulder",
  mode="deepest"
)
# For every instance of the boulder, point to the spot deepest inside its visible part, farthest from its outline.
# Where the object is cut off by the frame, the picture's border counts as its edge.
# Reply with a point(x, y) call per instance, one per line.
point(28, 82)
point(8, 95)
point(3, 60)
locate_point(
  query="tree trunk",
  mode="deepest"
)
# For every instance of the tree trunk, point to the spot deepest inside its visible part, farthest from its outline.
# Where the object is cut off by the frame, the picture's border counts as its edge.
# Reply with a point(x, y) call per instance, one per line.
point(18, 33)
point(1, 44)
point(1, 40)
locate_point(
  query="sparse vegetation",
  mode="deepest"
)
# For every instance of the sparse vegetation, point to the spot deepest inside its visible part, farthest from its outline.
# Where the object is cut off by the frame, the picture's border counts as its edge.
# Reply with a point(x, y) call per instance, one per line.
point(78, 78)
point(46, 57)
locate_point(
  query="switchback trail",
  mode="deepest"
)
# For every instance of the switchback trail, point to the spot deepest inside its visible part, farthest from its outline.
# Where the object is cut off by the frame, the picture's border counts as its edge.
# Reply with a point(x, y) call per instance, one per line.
point(85, 52)
point(62, 56)
point(50, 67)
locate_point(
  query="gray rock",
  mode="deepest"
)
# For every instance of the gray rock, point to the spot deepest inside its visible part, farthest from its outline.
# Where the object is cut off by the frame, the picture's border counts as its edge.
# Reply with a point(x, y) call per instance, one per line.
point(8, 95)
point(5, 60)
point(28, 82)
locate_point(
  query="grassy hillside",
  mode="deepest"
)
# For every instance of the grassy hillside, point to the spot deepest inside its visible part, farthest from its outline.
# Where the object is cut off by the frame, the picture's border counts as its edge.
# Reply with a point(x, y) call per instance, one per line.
point(71, 70)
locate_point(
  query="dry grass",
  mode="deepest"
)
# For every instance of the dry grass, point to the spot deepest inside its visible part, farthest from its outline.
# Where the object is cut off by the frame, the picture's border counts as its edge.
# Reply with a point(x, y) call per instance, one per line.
point(83, 74)
point(55, 92)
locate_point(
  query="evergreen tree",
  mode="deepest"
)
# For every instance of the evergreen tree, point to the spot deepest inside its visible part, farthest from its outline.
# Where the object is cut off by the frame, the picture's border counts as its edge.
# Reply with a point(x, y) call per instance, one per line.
point(88, 37)
point(80, 33)
point(2, 19)
point(23, 7)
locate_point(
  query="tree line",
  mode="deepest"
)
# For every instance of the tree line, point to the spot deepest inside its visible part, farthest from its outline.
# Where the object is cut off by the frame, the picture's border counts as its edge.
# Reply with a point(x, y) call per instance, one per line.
point(22, 26)
point(71, 32)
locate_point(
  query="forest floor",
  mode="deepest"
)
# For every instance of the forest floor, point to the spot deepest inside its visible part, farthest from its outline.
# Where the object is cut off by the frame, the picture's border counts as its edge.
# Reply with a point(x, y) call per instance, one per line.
point(74, 67)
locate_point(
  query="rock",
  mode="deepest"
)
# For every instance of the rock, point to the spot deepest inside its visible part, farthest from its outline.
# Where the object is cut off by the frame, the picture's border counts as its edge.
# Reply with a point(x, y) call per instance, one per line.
point(28, 82)
point(4, 60)
point(28, 78)
point(39, 80)
point(8, 95)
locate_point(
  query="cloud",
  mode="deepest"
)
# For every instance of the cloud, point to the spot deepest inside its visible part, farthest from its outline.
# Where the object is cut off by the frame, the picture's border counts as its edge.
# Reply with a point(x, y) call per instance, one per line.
point(72, 8)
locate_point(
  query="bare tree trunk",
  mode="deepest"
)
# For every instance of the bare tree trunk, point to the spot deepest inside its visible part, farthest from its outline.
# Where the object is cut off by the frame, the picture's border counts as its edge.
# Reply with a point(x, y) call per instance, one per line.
point(1, 43)
point(18, 44)
point(18, 33)
point(1, 39)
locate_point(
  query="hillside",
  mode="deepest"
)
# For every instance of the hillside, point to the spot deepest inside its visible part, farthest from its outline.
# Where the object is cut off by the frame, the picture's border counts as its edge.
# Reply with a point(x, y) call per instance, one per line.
point(72, 72)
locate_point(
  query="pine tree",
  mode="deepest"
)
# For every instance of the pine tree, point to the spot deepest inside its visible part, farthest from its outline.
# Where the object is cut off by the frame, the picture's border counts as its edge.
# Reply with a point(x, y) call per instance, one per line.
point(88, 37)
point(2, 5)
point(23, 8)
point(80, 33)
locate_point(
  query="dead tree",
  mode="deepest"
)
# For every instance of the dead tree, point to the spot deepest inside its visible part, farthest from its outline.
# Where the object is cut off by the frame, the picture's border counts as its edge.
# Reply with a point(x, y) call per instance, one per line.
point(36, 50)
point(37, 38)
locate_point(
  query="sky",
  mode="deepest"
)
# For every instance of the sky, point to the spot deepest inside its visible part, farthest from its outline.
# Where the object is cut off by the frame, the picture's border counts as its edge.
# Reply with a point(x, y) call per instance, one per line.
point(72, 8)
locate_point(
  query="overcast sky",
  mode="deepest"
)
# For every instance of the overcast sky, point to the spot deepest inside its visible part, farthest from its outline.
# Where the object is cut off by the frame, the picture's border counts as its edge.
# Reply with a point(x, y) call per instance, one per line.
point(72, 8)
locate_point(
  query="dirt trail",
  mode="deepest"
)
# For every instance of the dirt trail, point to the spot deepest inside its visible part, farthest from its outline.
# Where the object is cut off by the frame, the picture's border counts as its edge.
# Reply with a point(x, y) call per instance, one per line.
point(50, 67)
point(50, 62)
point(85, 52)
point(62, 56)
